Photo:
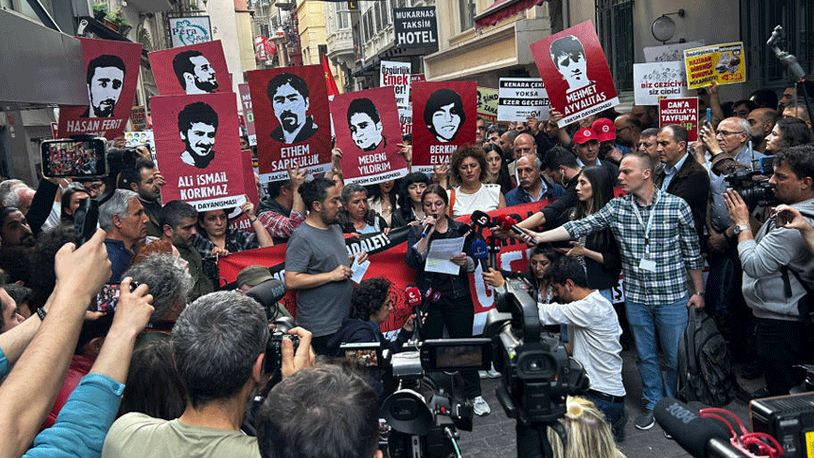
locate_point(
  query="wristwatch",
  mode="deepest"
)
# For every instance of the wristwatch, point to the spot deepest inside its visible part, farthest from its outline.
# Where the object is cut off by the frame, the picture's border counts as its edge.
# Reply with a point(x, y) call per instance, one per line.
point(742, 227)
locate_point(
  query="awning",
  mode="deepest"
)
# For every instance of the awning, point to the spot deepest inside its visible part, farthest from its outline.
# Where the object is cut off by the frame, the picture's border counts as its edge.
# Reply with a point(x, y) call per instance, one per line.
point(502, 9)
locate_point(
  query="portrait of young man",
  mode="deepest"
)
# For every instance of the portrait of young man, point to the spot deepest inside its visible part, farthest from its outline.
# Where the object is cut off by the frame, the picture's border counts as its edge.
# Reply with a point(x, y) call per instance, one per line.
point(197, 127)
point(444, 114)
point(105, 79)
point(194, 72)
point(289, 98)
point(569, 58)
point(365, 124)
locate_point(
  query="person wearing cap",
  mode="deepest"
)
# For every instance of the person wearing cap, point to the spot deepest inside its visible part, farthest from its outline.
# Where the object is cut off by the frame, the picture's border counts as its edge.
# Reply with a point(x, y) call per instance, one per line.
point(252, 276)
point(608, 149)
point(586, 149)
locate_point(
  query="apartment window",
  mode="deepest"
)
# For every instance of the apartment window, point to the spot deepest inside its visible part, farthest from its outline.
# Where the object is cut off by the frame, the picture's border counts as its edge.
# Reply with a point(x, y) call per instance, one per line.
point(614, 20)
point(377, 12)
point(342, 15)
point(467, 11)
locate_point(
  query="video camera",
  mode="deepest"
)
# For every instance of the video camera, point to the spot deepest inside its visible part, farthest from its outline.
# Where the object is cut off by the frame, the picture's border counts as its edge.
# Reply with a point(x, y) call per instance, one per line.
point(422, 414)
point(537, 373)
point(753, 185)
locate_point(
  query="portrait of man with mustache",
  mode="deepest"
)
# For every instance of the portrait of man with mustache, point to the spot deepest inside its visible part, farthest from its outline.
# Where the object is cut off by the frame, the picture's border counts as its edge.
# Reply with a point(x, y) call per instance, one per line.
point(105, 78)
point(289, 99)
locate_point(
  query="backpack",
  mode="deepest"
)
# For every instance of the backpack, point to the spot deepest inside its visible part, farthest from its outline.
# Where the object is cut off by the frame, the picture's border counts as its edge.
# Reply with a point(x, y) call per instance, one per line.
point(705, 371)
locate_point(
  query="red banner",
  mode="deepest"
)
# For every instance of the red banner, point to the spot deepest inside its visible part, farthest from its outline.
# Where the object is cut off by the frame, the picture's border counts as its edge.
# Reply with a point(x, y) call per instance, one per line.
point(683, 112)
point(387, 259)
point(112, 73)
point(195, 69)
point(369, 139)
point(198, 148)
point(292, 119)
point(575, 72)
point(444, 118)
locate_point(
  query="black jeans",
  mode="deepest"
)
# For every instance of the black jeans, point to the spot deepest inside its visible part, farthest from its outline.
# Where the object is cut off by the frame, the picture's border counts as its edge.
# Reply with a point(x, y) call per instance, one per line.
point(780, 345)
point(457, 315)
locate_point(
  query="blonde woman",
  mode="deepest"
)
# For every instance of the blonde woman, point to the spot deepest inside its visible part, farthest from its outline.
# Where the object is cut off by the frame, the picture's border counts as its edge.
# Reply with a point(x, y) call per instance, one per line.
point(587, 433)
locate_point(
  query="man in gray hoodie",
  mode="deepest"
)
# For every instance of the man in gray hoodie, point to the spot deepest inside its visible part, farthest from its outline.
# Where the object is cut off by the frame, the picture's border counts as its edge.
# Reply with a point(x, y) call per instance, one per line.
point(777, 270)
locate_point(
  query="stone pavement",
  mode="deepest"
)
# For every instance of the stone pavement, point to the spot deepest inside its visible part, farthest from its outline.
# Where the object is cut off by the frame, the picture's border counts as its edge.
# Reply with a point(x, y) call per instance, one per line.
point(493, 436)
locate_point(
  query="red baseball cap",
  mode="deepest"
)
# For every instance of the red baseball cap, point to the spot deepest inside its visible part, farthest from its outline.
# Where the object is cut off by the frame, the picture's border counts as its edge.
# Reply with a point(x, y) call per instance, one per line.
point(605, 129)
point(585, 135)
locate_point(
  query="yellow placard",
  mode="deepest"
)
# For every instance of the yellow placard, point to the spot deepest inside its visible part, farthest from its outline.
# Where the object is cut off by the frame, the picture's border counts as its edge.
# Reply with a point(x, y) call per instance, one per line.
point(487, 103)
point(723, 63)
point(809, 443)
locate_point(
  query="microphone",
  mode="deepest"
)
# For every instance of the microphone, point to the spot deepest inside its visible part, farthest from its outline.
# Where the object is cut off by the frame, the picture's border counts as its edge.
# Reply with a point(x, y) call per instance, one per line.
point(507, 223)
point(480, 220)
point(480, 252)
point(413, 298)
point(425, 230)
point(695, 434)
point(494, 249)
point(267, 294)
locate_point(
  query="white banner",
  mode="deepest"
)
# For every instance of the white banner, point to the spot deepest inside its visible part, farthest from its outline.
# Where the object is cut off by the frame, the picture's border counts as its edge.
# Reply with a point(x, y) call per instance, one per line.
point(397, 74)
point(519, 98)
point(658, 80)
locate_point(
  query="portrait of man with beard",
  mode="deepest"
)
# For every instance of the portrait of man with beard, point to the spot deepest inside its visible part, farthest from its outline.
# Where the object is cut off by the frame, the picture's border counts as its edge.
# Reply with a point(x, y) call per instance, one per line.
point(289, 99)
point(105, 78)
point(194, 72)
point(198, 126)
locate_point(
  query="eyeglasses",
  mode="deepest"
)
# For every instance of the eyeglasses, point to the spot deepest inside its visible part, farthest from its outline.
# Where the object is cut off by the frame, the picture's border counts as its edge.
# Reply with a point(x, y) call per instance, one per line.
point(726, 133)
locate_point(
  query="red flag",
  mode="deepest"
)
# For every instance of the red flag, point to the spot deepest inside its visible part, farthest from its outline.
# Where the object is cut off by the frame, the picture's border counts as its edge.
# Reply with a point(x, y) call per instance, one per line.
point(329, 77)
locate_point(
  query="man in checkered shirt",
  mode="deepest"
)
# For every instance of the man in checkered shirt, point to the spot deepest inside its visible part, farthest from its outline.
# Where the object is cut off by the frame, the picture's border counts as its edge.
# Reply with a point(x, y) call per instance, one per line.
point(658, 246)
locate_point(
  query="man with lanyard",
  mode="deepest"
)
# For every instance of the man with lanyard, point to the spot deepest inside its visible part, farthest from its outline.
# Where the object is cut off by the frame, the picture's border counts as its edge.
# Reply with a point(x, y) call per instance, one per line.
point(658, 245)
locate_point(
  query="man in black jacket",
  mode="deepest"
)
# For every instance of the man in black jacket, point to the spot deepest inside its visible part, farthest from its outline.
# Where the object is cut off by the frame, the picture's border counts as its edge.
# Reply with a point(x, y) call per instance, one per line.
point(681, 175)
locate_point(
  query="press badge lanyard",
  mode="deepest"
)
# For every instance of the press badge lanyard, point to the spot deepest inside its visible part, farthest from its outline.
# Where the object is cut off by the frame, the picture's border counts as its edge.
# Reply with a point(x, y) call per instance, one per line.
point(646, 263)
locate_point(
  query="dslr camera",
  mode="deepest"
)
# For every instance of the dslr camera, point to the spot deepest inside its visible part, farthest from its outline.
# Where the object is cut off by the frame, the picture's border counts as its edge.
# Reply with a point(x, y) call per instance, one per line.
point(753, 185)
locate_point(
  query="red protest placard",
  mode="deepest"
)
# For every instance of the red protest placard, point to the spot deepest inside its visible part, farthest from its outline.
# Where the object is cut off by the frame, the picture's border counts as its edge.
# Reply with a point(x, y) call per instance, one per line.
point(683, 112)
point(248, 113)
point(368, 133)
point(444, 118)
point(198, 147)
point(292, 120)
point(575, 72)
point(195, 69)
point(240, 220)
point(112, 69)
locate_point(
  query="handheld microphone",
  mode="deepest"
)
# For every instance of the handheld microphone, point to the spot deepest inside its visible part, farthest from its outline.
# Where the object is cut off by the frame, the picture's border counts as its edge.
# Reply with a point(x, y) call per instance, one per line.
point(480, 252)
point(425, 230)
point(494, 249)
point(480, 220)
point(695, 434)
point(413, 298)
point(507, 223)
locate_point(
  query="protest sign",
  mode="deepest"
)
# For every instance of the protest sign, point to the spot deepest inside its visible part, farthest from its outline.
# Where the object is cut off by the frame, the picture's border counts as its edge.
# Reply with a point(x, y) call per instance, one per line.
point(520, 98)
point(669, 53)
point(723, 63)
point(292, 120)
point(198, 148)
point(368, 133)
point(575, 72)
point(654, 81)
point(487, 103)
point(406, 120)
point(112, 69)
point(248, 113)
point(397, 74)
point(683, 112)
point(444, 118)
point(195, 69)
point(139, 138)
point(138, 117)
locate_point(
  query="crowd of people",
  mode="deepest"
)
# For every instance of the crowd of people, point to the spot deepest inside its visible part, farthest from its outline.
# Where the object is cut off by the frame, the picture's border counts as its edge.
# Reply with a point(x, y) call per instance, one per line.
point(137, 346)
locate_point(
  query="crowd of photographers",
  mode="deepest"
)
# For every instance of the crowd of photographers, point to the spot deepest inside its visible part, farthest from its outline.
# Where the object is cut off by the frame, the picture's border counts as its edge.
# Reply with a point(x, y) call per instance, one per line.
point(136, 349)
